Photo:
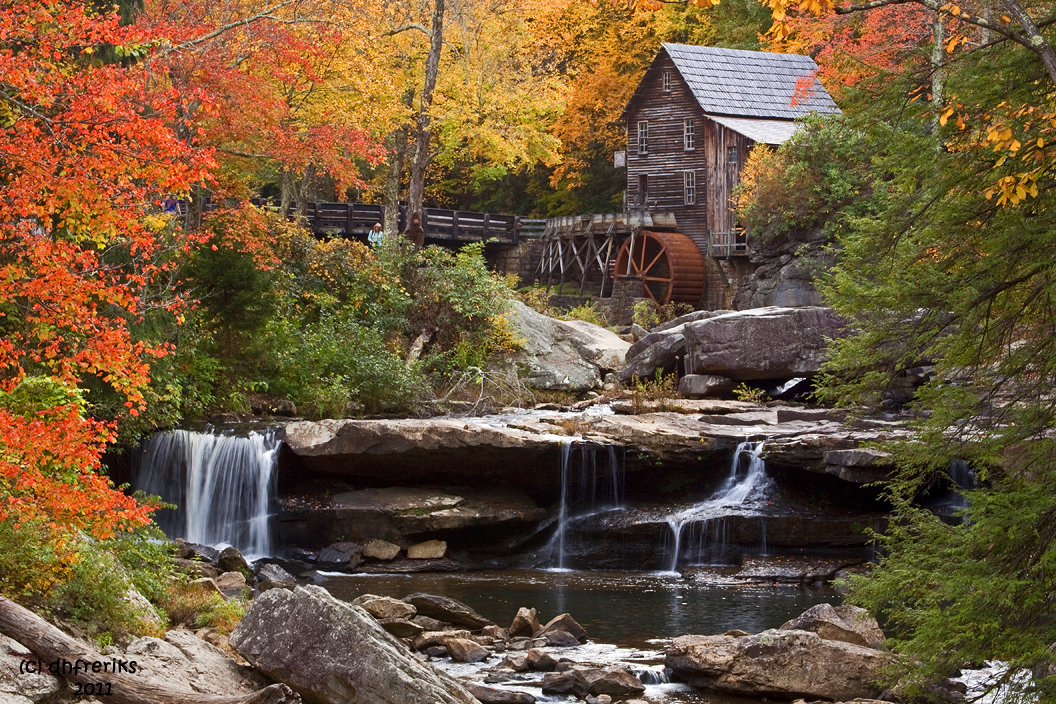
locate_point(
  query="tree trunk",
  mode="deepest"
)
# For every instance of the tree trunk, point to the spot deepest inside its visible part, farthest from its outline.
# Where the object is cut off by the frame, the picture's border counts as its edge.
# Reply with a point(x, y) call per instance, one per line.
point(50, 644)
point(391, 193)
point(424, 131)
point(1040, 45)
point(938, 73)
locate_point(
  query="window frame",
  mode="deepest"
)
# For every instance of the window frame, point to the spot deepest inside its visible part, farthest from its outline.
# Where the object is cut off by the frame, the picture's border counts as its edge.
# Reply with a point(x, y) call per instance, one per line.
point(689, 187)
point(643, 137)
point(689, 134)
point(667, 81)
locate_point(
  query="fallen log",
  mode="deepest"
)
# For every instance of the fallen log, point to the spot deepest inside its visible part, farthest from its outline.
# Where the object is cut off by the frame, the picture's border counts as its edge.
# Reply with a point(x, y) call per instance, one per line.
point(52, 645)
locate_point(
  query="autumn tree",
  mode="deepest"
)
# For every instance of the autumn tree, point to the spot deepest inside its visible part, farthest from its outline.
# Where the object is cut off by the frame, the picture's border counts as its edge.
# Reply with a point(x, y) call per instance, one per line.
point(88, 156)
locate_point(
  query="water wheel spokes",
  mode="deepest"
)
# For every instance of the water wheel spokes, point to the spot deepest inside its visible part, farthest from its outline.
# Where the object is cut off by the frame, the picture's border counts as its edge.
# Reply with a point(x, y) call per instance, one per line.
point(668, 264)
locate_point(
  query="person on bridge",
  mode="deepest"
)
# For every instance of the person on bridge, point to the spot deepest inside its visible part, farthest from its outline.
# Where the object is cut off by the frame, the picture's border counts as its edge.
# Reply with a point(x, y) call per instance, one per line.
point(376, 235)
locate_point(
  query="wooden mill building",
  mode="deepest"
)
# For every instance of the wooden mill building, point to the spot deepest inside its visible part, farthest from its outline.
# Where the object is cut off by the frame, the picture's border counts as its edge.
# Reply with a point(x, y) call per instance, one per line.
point(690, 124)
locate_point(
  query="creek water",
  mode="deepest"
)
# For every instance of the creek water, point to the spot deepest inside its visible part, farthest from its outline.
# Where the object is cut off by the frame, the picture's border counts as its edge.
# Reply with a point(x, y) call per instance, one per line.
point(629, 616)
point(631, 609)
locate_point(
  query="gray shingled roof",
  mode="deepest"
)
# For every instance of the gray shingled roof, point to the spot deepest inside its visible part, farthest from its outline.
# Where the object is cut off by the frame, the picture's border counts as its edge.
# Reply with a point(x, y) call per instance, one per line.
point(748, 83)
point(773, 132)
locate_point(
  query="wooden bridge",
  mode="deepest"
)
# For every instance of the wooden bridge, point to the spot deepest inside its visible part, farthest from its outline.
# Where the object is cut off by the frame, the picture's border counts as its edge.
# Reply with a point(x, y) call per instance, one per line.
point(356, 220)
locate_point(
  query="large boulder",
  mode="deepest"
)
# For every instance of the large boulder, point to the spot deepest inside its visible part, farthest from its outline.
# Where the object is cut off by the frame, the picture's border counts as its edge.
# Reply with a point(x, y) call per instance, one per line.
point(757, 344)
point(850, 624)
point(664, 352)
point(332, 652)
point(449, 610)
point(18, 686)
point(779, 664)
point(563, 355)
point(763, 343)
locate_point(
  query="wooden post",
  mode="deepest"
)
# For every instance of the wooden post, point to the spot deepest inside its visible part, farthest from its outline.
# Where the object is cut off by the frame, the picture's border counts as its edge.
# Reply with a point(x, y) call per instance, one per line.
point(454, 224)
point(348, 221)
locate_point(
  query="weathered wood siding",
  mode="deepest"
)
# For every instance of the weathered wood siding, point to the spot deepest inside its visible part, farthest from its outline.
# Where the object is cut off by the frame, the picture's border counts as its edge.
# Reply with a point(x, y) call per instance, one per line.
point(667, 159)
point(723, 173)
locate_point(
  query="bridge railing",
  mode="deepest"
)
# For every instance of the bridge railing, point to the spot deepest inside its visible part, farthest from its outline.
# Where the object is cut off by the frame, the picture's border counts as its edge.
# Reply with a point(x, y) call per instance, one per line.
point(327, 218)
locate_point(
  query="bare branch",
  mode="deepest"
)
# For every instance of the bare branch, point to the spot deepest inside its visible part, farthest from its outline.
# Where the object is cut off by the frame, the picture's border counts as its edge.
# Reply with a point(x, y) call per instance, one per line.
point(409, 26)
point(262, 15)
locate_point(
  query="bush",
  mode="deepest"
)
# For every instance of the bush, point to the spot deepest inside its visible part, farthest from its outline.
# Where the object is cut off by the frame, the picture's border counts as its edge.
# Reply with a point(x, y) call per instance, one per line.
point(325, 365)
point(86, 580)
point(823, 168)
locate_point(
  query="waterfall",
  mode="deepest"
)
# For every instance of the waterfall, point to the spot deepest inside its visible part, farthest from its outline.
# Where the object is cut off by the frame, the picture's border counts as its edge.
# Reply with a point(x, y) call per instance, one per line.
point(222, 485)
point(599, 488)
point(708, 518)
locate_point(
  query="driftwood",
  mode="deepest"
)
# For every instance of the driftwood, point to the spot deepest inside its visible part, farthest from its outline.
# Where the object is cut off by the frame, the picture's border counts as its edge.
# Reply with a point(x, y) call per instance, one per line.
point(51, 644)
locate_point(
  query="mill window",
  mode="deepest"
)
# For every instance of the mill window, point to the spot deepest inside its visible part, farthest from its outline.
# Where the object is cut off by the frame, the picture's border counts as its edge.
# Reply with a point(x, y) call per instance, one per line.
point(689, 180)
point(643, 137)
point(688, 134)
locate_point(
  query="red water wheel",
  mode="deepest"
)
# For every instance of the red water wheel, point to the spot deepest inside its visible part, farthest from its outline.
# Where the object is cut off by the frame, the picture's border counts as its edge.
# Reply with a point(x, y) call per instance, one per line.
point(669, 264)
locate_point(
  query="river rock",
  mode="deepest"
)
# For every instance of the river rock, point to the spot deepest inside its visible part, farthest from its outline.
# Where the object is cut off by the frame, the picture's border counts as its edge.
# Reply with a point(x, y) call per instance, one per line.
point(568, 682)
point(428, 639)
point(381, 550)
point(847, 623)
point(231, 583)
point(333, 652)
point(664, 354)
point(196, 567)
point(231, 560)
point(517, 663)
point(347, 554)
point(566, 623)
point(615, 682)
point(525, 623)
point(465, 650)
point(561, 639)
point(274, 573)
point(541, 661)
point(496, 632)
point(401, 628)
point(385, 606)
point(490, 695)
point(430, 624)
point(779, 664)
point(449, 610)
point(429, 550)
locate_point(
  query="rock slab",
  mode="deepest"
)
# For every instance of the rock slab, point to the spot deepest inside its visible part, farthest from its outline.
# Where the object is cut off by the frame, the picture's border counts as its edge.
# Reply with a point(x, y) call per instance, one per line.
point(777, 663)
point(850, 624)
point(332, 652)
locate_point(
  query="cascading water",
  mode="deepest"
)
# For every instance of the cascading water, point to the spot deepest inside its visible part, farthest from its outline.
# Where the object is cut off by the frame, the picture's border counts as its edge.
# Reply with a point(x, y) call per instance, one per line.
point(222, 485)
point(599, 488)
point(707, 519)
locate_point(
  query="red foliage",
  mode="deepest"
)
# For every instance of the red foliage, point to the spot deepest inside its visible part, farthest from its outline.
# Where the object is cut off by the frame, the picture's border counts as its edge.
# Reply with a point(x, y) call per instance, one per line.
point(88, 153)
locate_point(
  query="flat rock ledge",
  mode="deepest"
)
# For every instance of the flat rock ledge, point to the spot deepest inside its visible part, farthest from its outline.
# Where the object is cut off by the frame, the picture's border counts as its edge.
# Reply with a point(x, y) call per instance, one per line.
point(512, 450)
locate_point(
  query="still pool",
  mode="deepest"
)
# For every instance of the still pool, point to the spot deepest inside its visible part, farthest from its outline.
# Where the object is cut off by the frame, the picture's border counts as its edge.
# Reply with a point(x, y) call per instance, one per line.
point(631, 609)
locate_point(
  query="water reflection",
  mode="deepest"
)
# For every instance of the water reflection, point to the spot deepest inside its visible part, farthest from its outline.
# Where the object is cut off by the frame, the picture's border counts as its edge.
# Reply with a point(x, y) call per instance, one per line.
point(624, 608)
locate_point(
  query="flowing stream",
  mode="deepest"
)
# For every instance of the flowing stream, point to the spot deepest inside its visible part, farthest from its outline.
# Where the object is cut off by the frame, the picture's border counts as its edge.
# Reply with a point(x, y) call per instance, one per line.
point(222, 484)
point(741, 488)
